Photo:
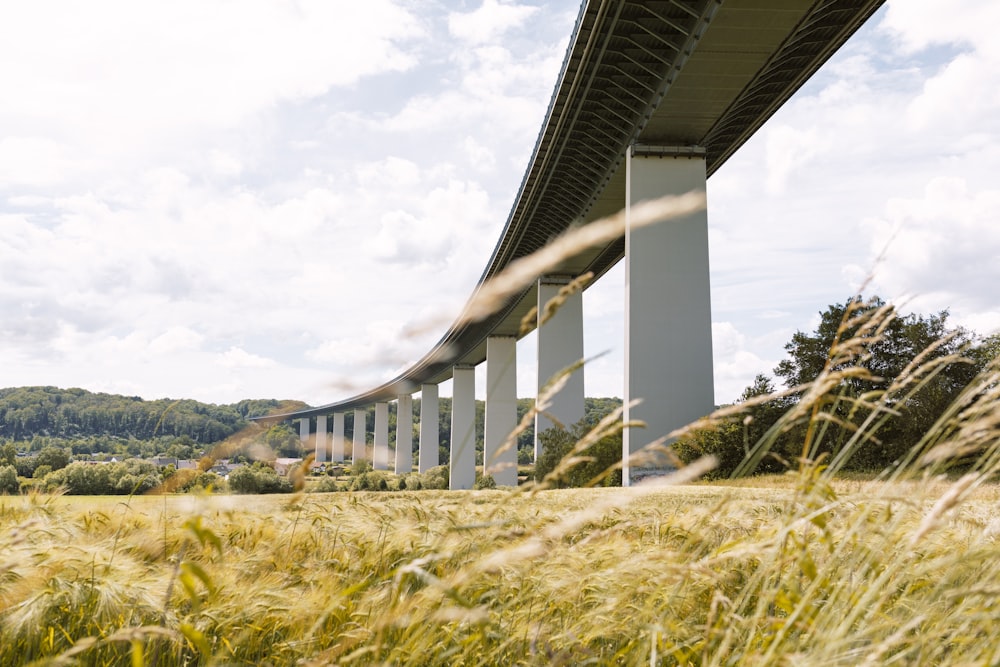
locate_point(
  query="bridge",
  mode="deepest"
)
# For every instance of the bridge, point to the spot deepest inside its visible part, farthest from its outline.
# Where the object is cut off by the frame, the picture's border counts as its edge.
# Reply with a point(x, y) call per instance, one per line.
point(653, 97)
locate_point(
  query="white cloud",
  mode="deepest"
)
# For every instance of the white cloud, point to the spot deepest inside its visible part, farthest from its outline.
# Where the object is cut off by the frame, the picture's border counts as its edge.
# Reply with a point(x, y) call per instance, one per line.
point(33, 161)
point(236, 357)
point(176, 339)
point(734, 365)
point(935, 247)
point(489, 22)
point(480, 157)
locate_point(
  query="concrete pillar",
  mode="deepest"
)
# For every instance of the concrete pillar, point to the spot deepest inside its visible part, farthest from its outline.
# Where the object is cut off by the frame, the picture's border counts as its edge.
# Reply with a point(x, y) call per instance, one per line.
point(501, 409)
point(668, 314)
point(359, 453)
point(321, 438)
point(404, 434)
point(380, 455)
point(462, 462)
point(560, 344)
point(427, 456)
point(304, 433)
point(337, 456)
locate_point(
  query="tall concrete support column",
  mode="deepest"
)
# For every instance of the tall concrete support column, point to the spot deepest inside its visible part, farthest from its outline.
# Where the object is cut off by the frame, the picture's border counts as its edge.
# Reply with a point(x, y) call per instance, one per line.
point(404, 435)
point(304, 433)
point(337, 455)
point(427, 456)
point(359, 452)
point(501, 409)
point(560, 344)
point(380, 455)
point(321, 438)
point(462, 470)
point(668, 314)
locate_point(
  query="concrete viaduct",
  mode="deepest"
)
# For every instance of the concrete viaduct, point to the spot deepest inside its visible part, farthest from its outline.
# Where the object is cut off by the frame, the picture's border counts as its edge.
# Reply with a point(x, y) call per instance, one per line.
point(653, 97)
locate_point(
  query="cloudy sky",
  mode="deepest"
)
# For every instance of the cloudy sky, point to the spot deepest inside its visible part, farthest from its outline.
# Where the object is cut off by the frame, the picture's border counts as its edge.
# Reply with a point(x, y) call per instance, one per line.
point(223, 200)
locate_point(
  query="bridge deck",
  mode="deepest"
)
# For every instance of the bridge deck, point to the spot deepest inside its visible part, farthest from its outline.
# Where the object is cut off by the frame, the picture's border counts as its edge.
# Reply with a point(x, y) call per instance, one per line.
point(701, 73)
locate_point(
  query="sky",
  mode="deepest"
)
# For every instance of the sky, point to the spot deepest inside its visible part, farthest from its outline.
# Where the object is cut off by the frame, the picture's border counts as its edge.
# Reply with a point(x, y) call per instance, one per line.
point(222, 200)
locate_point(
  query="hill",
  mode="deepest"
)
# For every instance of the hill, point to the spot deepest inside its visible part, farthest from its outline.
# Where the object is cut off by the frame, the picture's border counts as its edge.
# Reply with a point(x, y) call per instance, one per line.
point(27, 412)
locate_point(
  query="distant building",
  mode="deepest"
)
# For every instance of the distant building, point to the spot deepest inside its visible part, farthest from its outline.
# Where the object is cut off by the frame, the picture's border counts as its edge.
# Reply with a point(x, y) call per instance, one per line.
point(282, 466)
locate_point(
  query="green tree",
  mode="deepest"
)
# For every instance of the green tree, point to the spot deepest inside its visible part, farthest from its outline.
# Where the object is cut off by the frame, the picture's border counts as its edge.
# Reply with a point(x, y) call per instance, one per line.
point(258, 478)
point(9, 484)
point(886, 344)
point(8, 454)
point(591, 463)
point(54, 457)
point(731, 440)
point(283, 441)
point(879, 347)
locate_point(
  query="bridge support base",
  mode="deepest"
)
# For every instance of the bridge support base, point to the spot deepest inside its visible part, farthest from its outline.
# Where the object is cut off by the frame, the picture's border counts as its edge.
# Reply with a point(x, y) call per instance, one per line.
point(668, 315)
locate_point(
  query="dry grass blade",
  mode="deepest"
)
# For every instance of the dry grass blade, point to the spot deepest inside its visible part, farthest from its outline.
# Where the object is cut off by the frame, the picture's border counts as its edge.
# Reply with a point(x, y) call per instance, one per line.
point(521, 273)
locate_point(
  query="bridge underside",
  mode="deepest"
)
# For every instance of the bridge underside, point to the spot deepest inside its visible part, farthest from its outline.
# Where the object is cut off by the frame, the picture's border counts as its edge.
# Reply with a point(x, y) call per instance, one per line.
point(678, 73)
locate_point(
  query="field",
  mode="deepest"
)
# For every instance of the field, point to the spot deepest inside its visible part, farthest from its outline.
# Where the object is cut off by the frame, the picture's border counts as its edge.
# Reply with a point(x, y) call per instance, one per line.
point(777, 570)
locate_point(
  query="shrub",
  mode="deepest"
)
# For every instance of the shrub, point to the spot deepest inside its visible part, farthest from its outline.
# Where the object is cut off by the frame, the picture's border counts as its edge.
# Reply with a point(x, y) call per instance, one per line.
point(435, 478)
point(361, 466)
point(8, 481)
point(324, 485)
point(258, 478)
point(373, 480)
point(484, 481)
point(591, 463)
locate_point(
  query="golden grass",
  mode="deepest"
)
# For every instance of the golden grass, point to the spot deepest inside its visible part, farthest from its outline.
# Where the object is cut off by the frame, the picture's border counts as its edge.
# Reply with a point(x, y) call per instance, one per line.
point(790, 571)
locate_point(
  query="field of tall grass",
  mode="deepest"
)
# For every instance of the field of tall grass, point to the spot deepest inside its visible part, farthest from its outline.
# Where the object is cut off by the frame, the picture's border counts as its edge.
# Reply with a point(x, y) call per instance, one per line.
point(793, 570)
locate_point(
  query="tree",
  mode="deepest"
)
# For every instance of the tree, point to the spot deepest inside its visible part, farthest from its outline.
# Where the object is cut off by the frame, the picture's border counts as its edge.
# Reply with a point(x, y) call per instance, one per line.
point(732, 440)
point(8, 454)
point(8, 481)
point(258, 478)
point(885, 344)
point(283, 440)
point(54, 457)
point(557, 443)
point(870, 350)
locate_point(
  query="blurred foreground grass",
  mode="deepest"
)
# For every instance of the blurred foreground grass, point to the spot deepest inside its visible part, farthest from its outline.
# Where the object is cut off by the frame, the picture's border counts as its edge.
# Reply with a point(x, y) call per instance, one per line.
point(794, 570)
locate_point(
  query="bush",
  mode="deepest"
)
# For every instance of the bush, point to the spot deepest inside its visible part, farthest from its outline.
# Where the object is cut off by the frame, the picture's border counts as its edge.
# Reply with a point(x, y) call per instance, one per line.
point(361, 466)
point(325, 485)
point(373, 480)
point(204, 481)
point(258, 478)
point(731, 440)
point(557, 443)
point(9, 485)
point(435, 478)
point(484, 481)
point(104, 479)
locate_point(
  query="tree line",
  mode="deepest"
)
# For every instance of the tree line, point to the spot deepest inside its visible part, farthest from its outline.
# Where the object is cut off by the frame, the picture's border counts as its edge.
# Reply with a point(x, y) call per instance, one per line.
point(80, 415)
